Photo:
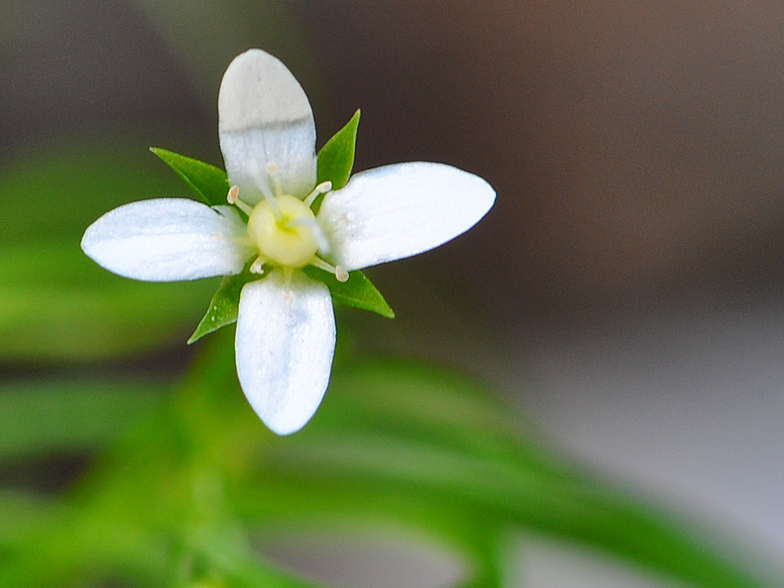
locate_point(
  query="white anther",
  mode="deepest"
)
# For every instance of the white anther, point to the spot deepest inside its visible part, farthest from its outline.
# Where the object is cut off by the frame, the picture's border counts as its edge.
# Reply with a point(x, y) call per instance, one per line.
point(322, 188)
point(234, 198)
point(340, 273)
point(257, 267)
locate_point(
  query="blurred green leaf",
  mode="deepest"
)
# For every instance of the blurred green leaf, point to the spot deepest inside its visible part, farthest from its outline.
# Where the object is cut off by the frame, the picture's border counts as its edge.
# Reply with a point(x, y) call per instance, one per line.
point(207, 181)
point(357, 291)
point(37, 417)
point(58, 304)
point(336, 158)
point(427, 433)
point(197, 37)
point(51, 194)
point(20, 511)
point(393, 443)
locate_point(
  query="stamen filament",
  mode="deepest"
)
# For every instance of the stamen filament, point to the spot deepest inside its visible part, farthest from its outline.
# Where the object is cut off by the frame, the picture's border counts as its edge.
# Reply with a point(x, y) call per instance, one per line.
point(272, 171)
point(263, 186)
point(234, 198)
point(340, 273)
point(322, 188)
point(257, 267)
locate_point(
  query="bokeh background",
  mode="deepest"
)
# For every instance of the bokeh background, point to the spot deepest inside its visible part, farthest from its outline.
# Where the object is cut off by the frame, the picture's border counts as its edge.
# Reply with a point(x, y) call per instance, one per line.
point(625, 291)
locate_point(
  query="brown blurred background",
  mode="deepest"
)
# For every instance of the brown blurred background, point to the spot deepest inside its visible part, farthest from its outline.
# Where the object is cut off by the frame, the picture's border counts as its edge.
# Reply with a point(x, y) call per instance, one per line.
point(637, 151)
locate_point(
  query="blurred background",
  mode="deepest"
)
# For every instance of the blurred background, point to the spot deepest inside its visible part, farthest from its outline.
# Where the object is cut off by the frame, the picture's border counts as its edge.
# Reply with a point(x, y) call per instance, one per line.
point(626, 288)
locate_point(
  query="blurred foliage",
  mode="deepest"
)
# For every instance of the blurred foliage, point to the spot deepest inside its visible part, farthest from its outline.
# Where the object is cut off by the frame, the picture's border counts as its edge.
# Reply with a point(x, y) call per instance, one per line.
point(57, 304)
point(179, 498)
point(208, 34)
point(33, 422)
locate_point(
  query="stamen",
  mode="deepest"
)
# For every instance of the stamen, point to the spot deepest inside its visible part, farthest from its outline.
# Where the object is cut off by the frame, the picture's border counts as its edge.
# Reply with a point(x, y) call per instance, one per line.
point(287, 273)
point(322, 188)
point(257, 267)
point(315, 229)
point(340, 273)
point(234, 198)
point(263, 186)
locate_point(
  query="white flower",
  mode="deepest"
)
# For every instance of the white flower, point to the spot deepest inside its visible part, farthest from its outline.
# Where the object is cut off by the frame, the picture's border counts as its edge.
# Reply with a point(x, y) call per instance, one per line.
point(285, 328)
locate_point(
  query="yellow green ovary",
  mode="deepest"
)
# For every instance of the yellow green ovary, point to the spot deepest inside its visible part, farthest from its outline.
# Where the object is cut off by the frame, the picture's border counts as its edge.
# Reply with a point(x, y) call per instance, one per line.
point(286, 239)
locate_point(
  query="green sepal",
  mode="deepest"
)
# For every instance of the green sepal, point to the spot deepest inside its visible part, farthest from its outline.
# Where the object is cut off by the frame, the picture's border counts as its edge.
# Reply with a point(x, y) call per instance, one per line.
point(358, 291)
point(224, 305)
point(207, 181)
point(336, 158)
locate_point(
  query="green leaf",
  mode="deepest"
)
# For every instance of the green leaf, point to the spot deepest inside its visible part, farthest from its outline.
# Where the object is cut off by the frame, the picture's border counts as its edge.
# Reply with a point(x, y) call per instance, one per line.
point(51, 194)
point(42, 416)
point(60, 305)
point(207, 181)
point(557, 505)
point(388, 430)
point(57, 304)
point(358, 291)
point(224, 305)
point(336, 158)
point(395, 445)
point(21, 511)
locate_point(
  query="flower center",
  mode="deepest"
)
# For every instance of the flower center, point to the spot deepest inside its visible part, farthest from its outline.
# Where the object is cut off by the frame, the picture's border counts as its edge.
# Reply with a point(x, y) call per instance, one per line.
point(283, 230)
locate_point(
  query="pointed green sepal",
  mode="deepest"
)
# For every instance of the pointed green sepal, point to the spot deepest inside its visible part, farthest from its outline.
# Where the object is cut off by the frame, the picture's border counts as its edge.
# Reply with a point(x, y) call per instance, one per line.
point(209, 183)
point(336, 158)
point(358, 291)
point(224, 305)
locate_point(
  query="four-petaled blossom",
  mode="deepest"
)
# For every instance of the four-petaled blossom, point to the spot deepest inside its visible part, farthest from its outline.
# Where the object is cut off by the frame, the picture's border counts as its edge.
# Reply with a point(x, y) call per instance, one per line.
point(285, 327)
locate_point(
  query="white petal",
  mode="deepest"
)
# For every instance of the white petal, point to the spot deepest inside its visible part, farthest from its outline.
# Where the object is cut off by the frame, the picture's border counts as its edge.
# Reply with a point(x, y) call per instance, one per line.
point(265, 117)
point(284, 345)
point(168, 239)
point(400, 210)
